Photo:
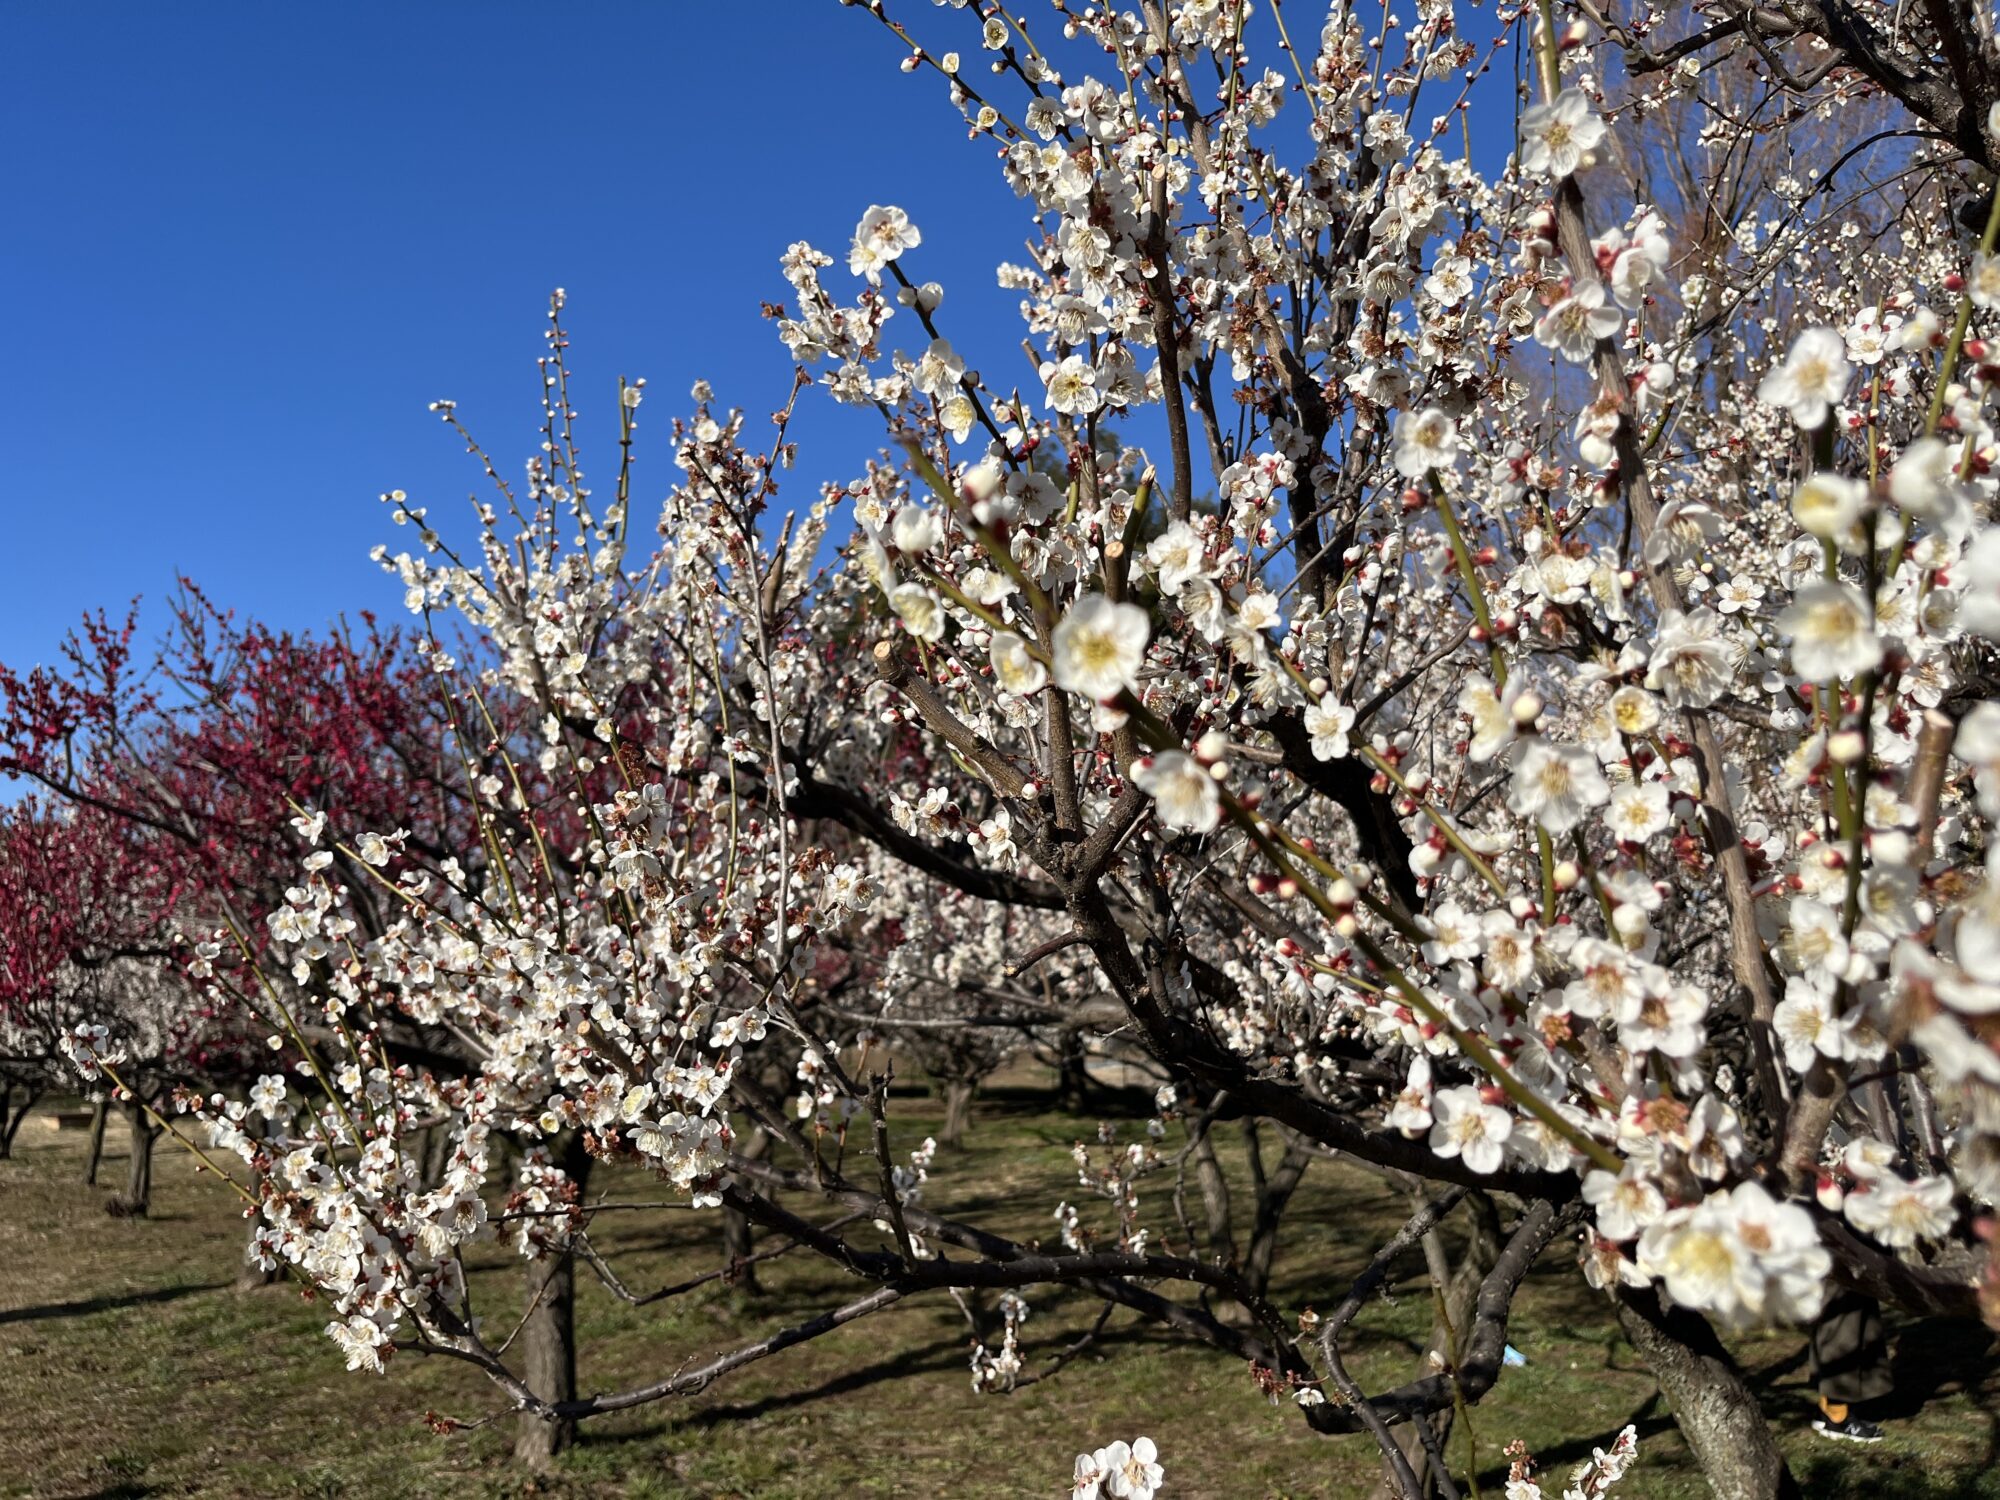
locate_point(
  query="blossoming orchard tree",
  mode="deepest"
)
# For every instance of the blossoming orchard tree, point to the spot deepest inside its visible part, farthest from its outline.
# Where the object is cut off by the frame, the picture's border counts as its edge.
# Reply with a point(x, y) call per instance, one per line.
point(1555, 772)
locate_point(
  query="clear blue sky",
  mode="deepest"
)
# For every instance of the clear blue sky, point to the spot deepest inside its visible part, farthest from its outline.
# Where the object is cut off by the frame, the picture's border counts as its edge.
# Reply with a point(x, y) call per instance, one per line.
point(247, 245)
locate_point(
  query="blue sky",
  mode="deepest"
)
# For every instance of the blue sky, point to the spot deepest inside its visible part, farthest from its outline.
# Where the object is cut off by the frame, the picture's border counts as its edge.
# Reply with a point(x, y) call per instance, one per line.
point(247, 246)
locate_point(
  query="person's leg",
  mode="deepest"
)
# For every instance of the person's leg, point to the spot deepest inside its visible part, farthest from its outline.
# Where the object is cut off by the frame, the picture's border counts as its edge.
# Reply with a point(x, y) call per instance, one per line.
point(1850, 1364)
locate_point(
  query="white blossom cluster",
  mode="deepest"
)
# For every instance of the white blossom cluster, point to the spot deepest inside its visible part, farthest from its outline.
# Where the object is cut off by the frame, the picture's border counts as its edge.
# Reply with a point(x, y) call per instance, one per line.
point(1662, 684)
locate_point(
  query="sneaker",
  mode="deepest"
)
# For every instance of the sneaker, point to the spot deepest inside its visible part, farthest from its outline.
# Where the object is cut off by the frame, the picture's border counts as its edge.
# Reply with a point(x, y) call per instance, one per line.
point(1851, 1430)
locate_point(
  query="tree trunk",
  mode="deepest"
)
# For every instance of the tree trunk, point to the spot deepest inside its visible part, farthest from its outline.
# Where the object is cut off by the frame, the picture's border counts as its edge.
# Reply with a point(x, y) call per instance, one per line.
point(548, 1336)
point(436, 1153)
point(958, 1094)
point(20, 1118)
point(1214, 1194)
point(97, 1117)
point(739, 1238)
point(138, 1195)
point(1273, 1193)
point(13, 1116)
point(1717, 1414)
point(1072, 1076)
point(1461, 1295)
point(739, 1243)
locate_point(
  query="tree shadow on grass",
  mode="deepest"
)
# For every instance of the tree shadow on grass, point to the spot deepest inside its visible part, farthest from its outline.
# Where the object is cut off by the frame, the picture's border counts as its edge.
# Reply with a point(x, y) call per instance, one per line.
point(88, 1305)
point(1933, 1353)
point(941, 1355)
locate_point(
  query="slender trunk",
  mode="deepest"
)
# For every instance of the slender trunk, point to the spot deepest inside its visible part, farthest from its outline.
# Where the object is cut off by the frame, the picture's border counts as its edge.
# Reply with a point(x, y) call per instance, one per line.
point(13, 1114)
point(97, 1118)
point(739, 1238)
point(1273, 1193)
point(1072, 1076)
point(1214, 1196)
point(138, 1195)
point(1717, 1414)
point(548, 1336)
point(20, 1118)
point(1448, 1331)
point(958, 1094)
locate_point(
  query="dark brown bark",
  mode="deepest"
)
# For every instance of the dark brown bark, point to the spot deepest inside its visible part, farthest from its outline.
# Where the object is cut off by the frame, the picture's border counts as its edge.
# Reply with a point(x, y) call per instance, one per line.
point(13, 1115)
point(739, 1243)
point(1716, 1412)
point(96, 1156)
point(548, 1336)
point(739, 1235)
point(1072, 1077)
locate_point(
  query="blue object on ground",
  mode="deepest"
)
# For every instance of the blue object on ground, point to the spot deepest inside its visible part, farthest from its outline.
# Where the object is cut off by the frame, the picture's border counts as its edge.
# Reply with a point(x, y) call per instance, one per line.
point(1514, 1356)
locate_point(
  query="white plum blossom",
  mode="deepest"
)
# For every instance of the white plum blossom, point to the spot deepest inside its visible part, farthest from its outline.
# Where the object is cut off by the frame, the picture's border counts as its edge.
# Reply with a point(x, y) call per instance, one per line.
point(1176, 556)
point(1898, 1212)
point(1425, 440)
point(1812, 378)
point(1694, 660)
point(1982, 281)
point(1740, 1257)
point(915, 530)
point(1467, 1127)
point(1015, 668)
point(1573, 325)
point(1328, 723)
point(1184, 794)
point(1099, 646)
point(1130, 1471)
point(882, 236)
point(1557, 136)
point(1638, 812)
point(1831, 632)
point(1625, 1203)
point(1556, 785)
point(1829, 506)
point(1072, 386)
point(920, 609)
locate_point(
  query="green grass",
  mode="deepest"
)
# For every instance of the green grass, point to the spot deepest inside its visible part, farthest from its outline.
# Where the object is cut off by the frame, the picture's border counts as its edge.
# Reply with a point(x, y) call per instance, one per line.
point(130, 1366)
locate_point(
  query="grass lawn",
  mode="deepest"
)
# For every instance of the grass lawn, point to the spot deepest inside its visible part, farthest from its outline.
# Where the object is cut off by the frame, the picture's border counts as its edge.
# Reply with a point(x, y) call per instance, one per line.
point(129, 1366)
